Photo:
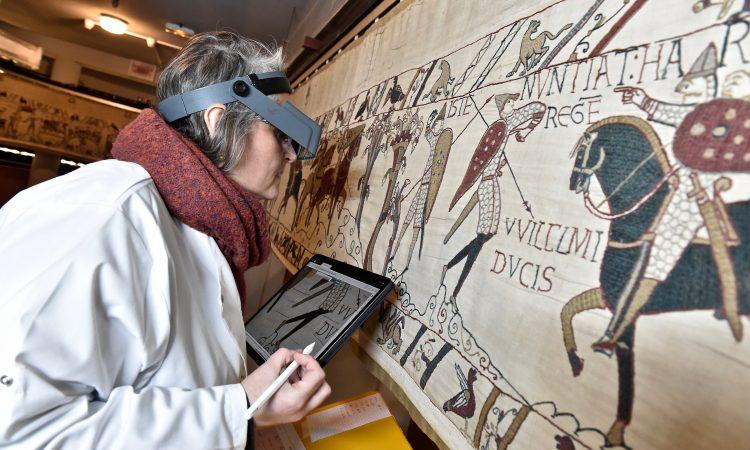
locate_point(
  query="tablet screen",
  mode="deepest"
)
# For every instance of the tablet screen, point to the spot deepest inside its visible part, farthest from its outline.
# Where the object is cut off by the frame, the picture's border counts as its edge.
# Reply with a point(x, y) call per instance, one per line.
point(313, 307)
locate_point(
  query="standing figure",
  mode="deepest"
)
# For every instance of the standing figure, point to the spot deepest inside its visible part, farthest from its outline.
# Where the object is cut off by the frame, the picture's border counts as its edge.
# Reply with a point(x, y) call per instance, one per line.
point(378, 133)
point(440, 140)
point(394, 215)
point(407, 130)
point(486, 166)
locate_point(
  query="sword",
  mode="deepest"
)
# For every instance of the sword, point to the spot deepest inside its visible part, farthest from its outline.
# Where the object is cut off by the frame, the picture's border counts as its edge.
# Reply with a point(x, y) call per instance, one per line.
point(720, 253)
point(462, 217)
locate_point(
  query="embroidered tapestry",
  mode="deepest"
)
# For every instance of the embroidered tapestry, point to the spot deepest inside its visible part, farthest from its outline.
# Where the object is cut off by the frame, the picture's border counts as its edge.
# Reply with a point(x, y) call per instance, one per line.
point(43, 117)
point(559, 190)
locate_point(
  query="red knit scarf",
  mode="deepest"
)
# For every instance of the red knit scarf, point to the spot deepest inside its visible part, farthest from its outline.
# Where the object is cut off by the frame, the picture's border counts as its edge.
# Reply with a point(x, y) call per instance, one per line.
point(197, 193)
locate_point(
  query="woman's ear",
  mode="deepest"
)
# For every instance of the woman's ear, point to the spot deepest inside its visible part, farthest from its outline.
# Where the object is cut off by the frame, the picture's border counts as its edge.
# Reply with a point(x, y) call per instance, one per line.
point(211, 116)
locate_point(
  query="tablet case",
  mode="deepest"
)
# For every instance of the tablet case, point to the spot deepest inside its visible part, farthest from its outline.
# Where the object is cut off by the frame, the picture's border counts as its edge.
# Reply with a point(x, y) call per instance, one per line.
point(385, 285)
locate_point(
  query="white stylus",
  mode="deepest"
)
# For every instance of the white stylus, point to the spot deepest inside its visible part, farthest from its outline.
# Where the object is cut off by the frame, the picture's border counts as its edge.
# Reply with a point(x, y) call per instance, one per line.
point(270, 390)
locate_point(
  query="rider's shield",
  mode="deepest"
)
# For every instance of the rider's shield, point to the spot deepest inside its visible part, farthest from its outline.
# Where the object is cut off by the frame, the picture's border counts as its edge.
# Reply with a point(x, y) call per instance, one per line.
point(715, 137)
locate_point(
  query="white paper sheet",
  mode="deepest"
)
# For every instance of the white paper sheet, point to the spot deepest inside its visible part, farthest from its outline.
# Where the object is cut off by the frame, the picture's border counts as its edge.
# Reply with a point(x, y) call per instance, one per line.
point(280, 437)
point(346, 417)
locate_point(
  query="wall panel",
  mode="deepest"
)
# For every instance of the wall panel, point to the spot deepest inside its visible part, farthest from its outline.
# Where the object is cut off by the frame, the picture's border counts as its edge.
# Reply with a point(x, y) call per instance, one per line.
point(560, 192)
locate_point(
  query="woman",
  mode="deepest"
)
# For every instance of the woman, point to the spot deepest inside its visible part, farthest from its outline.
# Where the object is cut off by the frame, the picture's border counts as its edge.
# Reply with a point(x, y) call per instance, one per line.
point(120, 283)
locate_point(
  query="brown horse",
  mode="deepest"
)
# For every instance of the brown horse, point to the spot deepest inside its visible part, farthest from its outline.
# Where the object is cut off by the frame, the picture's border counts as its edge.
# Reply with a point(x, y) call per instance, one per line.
point(330, 187)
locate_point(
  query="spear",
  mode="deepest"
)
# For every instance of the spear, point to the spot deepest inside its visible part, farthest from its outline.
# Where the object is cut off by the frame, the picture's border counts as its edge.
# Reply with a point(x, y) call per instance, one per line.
point(472, 117)
point(452, 142)
point(526, 204)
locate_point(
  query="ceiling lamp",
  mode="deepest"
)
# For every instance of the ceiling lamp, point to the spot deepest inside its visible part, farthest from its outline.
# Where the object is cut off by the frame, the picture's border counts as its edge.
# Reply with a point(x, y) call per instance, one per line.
point(112, 24)
point(179, 29)
point(118, 26)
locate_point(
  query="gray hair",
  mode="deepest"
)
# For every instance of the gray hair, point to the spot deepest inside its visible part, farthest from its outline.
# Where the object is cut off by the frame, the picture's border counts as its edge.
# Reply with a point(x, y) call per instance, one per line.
point(211, 58)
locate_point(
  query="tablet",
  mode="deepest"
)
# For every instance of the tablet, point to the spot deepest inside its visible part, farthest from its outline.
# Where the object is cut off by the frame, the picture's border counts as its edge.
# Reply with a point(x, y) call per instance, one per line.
point(323, 303)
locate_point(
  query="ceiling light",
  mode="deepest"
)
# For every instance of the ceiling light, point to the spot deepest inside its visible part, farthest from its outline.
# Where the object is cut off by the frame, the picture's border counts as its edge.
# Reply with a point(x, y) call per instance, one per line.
point(112, 24)
point(178, 29)
point(88, 24)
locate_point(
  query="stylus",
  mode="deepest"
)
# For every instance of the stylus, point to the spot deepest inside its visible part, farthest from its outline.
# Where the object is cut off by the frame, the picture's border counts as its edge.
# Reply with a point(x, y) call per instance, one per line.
point(270, 390)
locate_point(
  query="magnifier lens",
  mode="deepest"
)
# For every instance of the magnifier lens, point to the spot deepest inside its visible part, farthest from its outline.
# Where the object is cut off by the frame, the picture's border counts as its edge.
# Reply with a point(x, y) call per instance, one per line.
point(301, 153)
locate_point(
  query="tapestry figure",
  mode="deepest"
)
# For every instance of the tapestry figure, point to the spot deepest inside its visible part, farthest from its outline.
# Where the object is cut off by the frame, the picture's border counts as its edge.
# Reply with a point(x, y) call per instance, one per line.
point(443, 82)
point(379, 135)
point(406, 133)
point(486, 167)
point(612, 150)
point(534, 48)
point(439, 139)
point(690, 208)
point(464, 403)
point(391, 325)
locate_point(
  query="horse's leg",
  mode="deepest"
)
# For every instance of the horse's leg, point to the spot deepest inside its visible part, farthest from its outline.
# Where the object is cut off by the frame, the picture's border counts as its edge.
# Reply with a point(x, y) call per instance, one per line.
point(591, 299)
point(295, 215)
point(318, 205)
point(343, 201)
point(640, 298)
point(626, 388)
point(334, 202)
point(634, 296)
point(307, 192)
point(298, 208)
point(317, 212)
point(310, 207)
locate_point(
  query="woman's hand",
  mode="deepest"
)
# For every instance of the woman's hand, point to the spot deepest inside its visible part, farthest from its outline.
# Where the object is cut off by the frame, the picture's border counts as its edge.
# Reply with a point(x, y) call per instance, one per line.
point(305, 391)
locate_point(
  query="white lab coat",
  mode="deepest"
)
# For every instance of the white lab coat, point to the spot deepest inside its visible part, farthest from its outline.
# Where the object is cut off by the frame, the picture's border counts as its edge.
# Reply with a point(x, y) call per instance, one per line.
point(120, 327)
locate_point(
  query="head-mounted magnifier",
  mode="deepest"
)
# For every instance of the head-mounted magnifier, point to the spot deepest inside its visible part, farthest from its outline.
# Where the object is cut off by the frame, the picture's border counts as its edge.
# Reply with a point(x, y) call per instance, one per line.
point(251, 90)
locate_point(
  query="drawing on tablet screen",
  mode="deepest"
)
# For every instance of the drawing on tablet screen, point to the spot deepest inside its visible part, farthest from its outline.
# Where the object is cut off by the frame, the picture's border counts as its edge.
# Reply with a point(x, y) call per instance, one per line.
point(311, 309)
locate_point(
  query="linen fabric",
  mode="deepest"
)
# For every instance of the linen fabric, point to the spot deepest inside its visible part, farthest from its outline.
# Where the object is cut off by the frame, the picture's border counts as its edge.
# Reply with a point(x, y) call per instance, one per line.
point(559, 189)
